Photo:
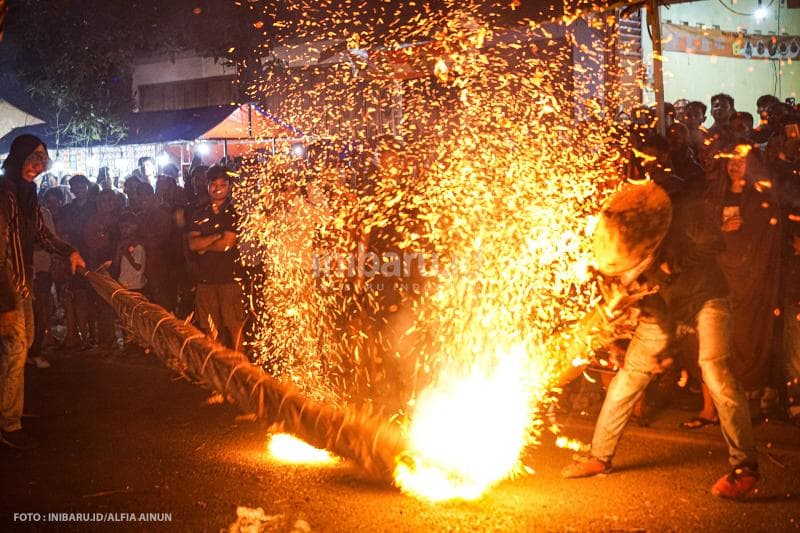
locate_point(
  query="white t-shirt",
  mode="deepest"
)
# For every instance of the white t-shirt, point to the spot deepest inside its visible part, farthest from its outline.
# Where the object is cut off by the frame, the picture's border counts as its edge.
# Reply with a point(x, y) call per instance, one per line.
point(129, 277)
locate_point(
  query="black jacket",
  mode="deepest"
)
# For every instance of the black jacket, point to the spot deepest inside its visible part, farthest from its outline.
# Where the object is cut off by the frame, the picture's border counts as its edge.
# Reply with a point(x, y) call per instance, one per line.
point(690, 249)
point(18, 234)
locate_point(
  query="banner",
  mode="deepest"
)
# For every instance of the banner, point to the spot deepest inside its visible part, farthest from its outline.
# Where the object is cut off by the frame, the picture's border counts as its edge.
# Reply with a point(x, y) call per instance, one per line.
point(711, 42)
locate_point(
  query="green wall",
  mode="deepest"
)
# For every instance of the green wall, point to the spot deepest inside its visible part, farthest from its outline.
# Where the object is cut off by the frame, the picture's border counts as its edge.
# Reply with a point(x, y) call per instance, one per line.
point(697, 77)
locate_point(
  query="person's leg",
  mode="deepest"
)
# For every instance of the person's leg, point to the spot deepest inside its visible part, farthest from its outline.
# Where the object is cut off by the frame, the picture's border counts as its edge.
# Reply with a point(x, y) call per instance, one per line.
point(713, 331)
point(709, 412)
point(233, 313)
point(14, 343)
point(81, 306)
point(42, 310)
point(641, 360)
point(207, 306)
point(106, 334)
point(72, 340)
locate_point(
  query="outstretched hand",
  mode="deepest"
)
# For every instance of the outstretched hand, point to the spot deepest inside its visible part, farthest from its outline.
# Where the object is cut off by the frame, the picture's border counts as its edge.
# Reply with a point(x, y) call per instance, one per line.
point(76, 261)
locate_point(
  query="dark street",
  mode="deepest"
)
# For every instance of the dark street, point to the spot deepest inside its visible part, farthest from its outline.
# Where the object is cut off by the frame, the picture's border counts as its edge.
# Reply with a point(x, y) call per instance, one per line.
point(126, 436)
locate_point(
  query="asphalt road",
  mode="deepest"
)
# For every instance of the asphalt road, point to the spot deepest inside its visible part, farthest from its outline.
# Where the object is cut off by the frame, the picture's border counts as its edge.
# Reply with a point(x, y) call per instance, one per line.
point(126, 436)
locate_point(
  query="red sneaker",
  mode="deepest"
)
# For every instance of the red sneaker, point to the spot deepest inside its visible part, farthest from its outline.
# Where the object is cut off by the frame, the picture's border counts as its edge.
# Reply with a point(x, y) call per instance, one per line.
point(586, 466)
point(737, 484)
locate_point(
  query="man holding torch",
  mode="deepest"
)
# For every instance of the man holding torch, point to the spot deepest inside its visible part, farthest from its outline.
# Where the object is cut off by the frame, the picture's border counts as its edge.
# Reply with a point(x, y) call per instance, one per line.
point(643, 241)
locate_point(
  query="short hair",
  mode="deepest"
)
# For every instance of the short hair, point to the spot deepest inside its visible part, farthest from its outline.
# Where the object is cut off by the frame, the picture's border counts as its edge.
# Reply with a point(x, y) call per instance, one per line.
point(767, 100)
point(218, 171)
point(659, 142)
point(744, 116)
point(143, 160)
point(197, 170)
point(723, 96)
point(79, 179)
point(54, 191)
point(171, 170)
point(697, 104)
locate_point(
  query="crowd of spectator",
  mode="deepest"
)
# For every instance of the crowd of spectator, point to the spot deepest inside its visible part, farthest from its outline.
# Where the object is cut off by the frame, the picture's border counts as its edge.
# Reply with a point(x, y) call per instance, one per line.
point(168, 236)
point(748, 176)
point(172, 236)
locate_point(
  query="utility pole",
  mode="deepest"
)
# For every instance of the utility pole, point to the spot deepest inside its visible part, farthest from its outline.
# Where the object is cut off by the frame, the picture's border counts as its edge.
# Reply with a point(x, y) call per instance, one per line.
point(654, 21)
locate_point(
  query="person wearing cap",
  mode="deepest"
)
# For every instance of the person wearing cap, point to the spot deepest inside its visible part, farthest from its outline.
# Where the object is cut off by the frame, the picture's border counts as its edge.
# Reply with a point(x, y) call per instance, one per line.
point(21, 226)
point(213, 244)
point(643, 240)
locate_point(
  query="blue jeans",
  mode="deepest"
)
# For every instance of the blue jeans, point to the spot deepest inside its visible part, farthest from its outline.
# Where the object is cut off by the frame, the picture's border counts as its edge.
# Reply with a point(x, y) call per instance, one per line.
point(650, 343)
point(14, 343)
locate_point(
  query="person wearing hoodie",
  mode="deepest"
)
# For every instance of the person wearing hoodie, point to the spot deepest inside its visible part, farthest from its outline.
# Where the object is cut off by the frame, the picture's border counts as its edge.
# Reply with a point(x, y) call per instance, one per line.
point(646, 243)
point(21, 227)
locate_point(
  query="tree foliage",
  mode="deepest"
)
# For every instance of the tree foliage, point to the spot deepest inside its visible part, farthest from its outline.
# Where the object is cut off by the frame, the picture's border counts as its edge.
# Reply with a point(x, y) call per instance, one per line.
point(76, 57)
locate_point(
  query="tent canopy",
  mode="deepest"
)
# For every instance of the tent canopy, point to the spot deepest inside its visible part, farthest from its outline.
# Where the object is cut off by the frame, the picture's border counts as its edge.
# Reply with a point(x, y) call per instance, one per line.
point(233, 122)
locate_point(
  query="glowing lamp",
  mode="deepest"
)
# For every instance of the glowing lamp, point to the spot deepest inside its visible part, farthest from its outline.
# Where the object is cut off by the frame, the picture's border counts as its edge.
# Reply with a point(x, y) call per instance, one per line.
point(298, 150)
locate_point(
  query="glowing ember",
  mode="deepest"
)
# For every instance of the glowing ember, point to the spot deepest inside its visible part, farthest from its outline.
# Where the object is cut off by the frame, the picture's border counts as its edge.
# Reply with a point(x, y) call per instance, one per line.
point(288, 449)
point(429, 277)
point(571, 444)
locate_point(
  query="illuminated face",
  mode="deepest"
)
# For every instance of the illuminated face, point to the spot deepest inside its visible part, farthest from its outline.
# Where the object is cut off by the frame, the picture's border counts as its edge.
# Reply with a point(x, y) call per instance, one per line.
point(218, 189)
point(107, 201)
point(35, 164)
point(694, 117)
point(149, 169)
point(721, 110)
point(680, 107)
point(80, 190)
point(736, 168)
point(741, 128)
point(678, 135)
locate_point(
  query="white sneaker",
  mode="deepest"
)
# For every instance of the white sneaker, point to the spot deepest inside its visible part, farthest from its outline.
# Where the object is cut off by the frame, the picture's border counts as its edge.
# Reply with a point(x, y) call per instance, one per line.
point(39, 361)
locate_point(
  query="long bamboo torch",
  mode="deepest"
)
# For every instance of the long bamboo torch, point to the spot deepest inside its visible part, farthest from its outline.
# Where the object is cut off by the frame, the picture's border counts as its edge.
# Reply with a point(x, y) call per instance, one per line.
point(355, 434)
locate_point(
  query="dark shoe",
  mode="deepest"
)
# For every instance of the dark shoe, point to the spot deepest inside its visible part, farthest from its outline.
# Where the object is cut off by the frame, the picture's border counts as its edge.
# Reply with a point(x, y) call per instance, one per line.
point(698, 422)
point(586, 466)
point(737, 484)
point(18, 439)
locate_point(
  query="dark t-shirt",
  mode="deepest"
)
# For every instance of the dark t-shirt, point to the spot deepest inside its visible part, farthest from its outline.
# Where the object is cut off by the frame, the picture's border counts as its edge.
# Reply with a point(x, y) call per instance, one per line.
point(691, 248)
point(73, 220)
point(215, 267)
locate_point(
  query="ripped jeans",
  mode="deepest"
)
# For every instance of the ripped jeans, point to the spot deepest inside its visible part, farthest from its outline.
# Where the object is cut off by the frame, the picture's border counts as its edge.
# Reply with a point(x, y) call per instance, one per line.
point(649, 343)
point(15, 340)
